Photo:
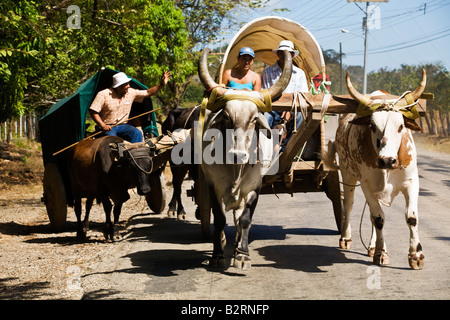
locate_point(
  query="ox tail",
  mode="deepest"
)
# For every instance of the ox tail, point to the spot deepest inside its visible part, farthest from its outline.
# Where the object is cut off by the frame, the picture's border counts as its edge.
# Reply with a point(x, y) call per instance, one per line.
point(329, 156)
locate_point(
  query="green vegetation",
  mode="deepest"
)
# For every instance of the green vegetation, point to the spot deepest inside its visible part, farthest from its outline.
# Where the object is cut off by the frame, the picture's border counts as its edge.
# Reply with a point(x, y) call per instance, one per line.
point(47, 49)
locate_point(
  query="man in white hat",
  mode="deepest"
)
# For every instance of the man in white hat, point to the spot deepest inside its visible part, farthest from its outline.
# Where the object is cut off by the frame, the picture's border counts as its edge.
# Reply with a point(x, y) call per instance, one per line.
point(111, 107)
point(270, 76)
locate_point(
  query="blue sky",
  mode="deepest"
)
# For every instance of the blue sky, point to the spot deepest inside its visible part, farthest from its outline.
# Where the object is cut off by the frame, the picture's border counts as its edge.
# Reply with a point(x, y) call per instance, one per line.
point(410, 32)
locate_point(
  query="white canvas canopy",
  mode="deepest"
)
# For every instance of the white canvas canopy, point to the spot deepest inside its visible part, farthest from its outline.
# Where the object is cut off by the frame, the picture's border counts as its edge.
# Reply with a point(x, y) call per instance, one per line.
point(264, 34)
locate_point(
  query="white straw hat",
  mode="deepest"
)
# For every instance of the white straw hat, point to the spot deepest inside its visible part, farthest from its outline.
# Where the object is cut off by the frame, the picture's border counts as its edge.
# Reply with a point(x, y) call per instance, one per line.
point(120, 79)
point(286, 45)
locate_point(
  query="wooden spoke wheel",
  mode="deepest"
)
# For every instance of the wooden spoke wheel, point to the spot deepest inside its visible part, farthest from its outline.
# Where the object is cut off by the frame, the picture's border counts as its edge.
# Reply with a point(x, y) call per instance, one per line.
point(55, 196)
point(156, 199)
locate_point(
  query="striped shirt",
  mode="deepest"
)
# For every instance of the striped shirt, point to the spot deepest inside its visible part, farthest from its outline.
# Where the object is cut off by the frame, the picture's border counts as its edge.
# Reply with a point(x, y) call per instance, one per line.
point(270, 76)
point(113, 110)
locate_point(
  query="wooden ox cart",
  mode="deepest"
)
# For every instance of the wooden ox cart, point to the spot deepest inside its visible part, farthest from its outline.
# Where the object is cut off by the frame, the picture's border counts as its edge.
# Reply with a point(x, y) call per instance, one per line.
point(295, 174)
point(64, 125)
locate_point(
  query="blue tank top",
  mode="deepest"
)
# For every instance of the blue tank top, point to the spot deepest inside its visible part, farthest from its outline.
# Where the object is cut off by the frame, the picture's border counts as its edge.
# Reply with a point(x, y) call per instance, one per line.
point(249, 85)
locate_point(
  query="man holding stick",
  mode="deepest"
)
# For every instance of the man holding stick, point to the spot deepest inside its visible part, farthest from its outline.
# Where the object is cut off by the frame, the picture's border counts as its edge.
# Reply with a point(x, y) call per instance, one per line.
point(111, 107)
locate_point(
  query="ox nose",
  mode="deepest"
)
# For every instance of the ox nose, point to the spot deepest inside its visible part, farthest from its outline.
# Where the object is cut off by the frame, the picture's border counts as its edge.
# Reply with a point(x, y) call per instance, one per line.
point(240, 157)
point(143, 189)
point(387, 162)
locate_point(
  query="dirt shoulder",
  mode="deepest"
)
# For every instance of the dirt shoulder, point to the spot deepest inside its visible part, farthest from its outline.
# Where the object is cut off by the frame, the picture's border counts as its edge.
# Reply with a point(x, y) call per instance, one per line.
point(35, 262)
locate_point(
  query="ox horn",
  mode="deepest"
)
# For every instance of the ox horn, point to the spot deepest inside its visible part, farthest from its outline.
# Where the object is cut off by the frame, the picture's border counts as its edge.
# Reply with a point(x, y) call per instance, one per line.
point(360, 98)
point(285, 77)
point(274, 90)
point(203, 72)
point(416, 93)
point(353, 92)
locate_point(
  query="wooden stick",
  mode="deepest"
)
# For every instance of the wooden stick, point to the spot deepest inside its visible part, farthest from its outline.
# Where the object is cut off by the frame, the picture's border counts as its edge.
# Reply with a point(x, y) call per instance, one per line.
point(93, 135)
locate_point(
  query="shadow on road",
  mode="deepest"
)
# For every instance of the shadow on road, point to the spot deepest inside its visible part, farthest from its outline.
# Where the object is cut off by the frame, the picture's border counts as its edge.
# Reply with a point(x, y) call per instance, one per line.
point(306, 258)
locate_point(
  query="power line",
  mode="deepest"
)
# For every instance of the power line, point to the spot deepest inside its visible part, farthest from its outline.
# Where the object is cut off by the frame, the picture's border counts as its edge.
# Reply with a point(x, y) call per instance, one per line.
point(384, 50)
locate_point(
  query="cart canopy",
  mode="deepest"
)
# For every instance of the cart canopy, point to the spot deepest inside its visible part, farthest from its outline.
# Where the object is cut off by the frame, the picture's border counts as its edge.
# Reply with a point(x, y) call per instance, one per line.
point(264, 34)
point(65, 122)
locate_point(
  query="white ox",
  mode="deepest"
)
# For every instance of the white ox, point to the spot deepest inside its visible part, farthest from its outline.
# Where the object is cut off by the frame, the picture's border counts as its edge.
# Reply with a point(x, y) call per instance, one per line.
point(377, 149)
point(235, 186)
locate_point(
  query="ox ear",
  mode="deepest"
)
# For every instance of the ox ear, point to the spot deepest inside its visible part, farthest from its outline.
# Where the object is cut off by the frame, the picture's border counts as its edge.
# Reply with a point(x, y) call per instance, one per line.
point(349, 102)
point(411, 124)
point(108, 156)
point(361, 120)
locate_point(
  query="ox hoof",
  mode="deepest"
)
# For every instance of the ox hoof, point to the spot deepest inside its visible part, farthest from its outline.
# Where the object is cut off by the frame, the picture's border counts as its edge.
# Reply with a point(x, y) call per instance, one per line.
point(371, 252)
point(181, 215)
point(116, 235)
point(171, 213)
point(416, 260)
point(217, 262)
point(111, 234)
point(86, 226)
point(197, 213)
point(242, 261)
point(345, 244)
point(381, 259)
point(81, 236)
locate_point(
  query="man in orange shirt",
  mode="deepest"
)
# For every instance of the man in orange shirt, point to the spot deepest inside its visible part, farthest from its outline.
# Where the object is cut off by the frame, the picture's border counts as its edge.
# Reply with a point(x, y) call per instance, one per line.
point(111, 107)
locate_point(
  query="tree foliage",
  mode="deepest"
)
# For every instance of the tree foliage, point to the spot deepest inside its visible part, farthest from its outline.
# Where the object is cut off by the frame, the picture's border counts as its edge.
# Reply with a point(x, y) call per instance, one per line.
point(43, 60)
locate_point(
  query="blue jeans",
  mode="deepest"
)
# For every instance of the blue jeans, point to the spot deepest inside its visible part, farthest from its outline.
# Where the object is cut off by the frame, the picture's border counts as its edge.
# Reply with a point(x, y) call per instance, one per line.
point(126, 132)
point(274, 117)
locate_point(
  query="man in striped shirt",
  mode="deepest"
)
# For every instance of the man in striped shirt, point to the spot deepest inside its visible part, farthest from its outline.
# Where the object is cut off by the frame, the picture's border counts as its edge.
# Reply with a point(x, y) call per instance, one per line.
point(111, 107)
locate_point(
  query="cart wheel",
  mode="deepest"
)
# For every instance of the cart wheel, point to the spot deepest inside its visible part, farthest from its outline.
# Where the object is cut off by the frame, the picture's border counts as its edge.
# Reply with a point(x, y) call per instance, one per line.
point(156, 199)
point(55, 196)
point(333, 192)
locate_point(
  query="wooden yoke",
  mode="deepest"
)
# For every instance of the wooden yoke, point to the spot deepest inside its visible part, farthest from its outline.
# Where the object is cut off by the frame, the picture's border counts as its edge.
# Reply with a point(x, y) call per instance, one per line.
point(312, 120)
point(284, 103)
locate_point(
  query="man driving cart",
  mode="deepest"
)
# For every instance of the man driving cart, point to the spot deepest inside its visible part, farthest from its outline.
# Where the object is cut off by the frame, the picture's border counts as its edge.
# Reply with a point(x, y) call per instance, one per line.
point(111, 107)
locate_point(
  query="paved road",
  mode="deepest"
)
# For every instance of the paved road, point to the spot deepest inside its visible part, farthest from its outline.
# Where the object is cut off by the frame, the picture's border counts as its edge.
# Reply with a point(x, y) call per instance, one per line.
point(294, 252)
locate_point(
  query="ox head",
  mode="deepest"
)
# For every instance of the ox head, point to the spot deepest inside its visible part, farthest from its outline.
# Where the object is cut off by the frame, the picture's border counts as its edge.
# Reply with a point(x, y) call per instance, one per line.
point(241, 110)
point(388, 118)
point(138, 159)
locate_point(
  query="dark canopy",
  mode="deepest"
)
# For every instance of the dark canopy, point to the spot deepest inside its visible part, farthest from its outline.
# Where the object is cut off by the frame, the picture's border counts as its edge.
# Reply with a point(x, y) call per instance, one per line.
point(64, 124)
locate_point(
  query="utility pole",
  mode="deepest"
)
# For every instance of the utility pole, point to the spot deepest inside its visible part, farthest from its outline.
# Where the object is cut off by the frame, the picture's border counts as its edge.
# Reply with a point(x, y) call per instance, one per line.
point(340, 68)
point(366, 36)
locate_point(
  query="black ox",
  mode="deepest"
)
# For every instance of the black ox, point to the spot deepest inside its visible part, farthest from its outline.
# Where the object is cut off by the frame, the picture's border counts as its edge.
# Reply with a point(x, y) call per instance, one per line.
point(180, 119)
point(98, 171)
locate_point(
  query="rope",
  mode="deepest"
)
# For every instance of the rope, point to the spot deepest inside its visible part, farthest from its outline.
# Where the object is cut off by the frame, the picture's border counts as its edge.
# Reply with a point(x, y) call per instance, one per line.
point(141, 157)
point(360, 225)
point(408, 109)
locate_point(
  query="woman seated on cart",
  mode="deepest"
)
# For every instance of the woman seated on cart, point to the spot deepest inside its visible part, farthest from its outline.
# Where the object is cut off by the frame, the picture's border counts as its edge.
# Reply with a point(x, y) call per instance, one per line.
point(241, 77)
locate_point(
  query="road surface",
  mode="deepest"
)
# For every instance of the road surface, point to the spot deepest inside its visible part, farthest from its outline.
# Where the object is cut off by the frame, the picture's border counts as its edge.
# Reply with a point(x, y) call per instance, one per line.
point(294, 252)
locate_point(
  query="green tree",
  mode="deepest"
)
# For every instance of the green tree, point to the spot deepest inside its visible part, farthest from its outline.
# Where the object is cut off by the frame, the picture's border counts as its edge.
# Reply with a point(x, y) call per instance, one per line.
point(18, 53)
